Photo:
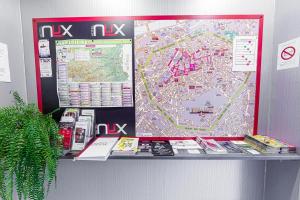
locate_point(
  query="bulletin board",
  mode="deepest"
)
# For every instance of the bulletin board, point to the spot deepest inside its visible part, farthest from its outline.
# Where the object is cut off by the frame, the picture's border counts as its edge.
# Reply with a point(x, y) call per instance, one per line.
point(155, 76)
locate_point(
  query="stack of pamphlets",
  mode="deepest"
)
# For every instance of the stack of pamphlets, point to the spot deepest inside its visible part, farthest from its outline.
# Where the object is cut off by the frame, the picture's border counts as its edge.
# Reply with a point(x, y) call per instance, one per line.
point(269, 145)
point(162, 148)
point(79, 135)
point(99, 150)
point(88, 121)
point(211, 146)
point(66, 128)
point(247, 148)
point(126, 146)
point(90, 113)
point(186, 146)
point(144, 147)
point(231, 147)
point(77, 129)
point(72, 112)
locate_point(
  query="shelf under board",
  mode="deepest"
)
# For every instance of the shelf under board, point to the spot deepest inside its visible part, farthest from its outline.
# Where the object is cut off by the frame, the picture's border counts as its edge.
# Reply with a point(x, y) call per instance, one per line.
point(149, 156)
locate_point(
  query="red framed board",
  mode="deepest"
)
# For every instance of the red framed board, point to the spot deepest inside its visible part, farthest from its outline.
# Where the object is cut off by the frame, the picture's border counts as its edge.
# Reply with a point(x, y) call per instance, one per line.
point(153, 76)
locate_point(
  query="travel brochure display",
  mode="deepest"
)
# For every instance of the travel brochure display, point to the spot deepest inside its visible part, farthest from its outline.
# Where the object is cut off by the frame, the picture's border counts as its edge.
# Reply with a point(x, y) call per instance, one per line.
point(77, 128)
point(157, 76)
point(117, 80)
point(101, 148)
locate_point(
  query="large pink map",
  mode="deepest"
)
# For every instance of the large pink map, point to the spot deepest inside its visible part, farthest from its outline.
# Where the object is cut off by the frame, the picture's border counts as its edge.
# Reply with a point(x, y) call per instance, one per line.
point(195, 77)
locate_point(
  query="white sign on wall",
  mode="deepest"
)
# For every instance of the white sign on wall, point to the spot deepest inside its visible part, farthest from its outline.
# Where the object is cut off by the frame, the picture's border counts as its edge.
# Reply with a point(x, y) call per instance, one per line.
point(288, 54)
point(4, 64)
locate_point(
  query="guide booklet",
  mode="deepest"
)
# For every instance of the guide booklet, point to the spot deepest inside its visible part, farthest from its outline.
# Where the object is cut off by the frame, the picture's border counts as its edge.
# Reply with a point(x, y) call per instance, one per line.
point(185, 144)
point(211, 146)
point(79, 135)
point(99, 150)
point(126, 146)
point(66, 128)
point(145, 146)
point(230, 147)
point(245, 147)
point(267, 144)
point(162, 148)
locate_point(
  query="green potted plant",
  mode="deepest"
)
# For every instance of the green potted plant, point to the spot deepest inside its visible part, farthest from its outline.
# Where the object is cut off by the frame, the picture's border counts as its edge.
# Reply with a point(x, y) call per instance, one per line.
point(30, 147)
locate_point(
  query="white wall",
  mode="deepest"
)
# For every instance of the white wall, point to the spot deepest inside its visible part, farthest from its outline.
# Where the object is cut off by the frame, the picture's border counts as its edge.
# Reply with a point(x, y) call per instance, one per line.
point(176, 180)
point(283, 179)
point(159, 179)
point(11, 34)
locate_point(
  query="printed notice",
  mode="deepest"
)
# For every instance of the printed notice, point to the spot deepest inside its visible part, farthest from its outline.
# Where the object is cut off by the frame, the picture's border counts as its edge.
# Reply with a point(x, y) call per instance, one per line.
point(244, 53)
point(44, 49)
point(45, 67)
point(4, 64)
point(288, 54)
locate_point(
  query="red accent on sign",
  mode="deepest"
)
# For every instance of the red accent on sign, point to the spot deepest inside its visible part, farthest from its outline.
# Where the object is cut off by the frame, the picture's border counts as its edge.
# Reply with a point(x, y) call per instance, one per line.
point(288, 53)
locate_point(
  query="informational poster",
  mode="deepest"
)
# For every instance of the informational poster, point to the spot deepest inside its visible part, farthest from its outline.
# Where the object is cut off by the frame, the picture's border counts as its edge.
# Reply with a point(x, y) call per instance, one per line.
point(288, 54)
point(45, 67)
point(94, 73)
point(4, 64)
point(44, 48)
point(245, 53)
point(153, 75)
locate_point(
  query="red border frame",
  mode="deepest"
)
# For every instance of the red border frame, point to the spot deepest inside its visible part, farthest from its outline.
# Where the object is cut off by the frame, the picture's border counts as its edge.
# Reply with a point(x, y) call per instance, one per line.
point(35, 22)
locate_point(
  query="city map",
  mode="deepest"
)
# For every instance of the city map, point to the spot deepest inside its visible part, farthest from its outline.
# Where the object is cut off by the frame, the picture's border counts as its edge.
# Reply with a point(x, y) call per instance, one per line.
point(185, 84)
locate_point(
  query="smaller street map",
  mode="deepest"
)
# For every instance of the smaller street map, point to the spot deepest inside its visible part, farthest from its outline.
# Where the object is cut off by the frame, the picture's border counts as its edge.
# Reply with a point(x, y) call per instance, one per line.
point(94, 73)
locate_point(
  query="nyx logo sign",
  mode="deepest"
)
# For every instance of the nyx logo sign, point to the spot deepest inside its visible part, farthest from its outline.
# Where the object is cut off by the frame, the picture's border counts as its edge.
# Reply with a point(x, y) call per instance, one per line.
point(113, 129)
point(111, 30)
point(56, 31)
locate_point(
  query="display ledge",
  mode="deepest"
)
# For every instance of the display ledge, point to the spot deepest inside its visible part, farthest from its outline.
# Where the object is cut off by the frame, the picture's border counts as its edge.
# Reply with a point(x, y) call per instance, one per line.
point(149, 156)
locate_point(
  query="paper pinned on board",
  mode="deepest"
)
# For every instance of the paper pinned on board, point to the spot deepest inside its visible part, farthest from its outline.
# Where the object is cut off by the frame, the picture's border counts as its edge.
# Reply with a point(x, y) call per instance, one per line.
point(245, 53)
point(45, 67)
point(4, 64)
